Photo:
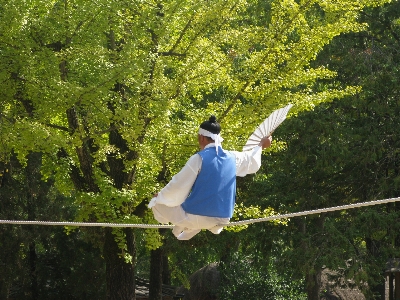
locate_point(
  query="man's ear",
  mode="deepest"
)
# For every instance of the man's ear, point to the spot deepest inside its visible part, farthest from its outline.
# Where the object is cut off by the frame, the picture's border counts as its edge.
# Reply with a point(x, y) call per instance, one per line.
point(202, 141)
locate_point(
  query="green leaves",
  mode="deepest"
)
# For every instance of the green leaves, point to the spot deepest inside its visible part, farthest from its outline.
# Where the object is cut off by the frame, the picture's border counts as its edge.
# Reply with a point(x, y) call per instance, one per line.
point(112, 92)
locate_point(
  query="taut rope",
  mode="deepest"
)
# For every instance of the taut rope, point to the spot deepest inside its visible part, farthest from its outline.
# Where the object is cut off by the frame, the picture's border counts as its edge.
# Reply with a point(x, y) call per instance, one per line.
point(244, 222)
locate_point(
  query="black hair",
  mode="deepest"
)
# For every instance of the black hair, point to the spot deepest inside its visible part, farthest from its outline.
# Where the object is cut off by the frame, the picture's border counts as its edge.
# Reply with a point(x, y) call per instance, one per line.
point(211, 125)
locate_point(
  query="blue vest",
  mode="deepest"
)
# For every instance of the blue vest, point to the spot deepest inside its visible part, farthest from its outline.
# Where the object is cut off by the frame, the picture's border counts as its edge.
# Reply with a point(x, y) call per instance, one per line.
point(214, 191)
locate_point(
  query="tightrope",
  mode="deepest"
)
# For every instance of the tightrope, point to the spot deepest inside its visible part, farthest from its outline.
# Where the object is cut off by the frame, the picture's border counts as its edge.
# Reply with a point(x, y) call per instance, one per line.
point(243, 222)
point(315, 211)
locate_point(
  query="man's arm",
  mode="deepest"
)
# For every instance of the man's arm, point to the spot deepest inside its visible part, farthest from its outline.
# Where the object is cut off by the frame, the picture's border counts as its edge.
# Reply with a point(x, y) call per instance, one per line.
point(177, 190)
point(248, 162)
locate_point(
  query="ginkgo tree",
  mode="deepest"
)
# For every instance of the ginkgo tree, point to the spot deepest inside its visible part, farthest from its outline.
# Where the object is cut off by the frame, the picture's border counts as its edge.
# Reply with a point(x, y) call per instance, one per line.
point(111, 92)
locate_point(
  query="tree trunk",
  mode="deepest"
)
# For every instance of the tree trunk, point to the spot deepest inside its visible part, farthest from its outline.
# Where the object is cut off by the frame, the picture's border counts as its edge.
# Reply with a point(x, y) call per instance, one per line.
point(32, 271)
point(313, 270)
point(156, 271)
point(119, 274)
point(33, 182)
point(397, 286)
point(373, 247)
point(166, 274)
point(313, 282)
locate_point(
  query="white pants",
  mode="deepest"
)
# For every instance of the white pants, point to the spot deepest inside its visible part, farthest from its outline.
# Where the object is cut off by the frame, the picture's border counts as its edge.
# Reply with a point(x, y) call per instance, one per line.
point(186, 225)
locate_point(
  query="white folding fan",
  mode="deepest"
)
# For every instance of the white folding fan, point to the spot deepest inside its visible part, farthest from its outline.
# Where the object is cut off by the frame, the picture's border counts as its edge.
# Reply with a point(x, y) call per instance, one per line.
point(267, 127)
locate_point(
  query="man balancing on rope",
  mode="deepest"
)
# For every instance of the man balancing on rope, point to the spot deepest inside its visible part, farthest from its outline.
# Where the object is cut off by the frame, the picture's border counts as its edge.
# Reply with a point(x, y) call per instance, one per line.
point(202, 195)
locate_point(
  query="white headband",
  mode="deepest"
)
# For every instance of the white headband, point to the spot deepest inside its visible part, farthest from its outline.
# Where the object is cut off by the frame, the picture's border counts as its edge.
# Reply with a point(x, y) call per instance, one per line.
point(216, 137)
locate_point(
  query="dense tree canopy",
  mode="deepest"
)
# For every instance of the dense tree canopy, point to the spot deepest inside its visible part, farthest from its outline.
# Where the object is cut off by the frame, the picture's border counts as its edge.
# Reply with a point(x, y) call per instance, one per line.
point(110, 93)
point(96, 85)
point(340, 153)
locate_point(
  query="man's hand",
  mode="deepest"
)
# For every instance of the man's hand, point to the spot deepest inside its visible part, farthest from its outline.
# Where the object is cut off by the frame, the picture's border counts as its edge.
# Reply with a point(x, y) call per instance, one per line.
point(265, 142)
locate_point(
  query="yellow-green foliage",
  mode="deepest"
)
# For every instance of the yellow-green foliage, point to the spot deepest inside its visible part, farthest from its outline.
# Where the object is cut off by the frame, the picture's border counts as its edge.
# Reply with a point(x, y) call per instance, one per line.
point(152, 71)
point(152, 236)
point(251, 212)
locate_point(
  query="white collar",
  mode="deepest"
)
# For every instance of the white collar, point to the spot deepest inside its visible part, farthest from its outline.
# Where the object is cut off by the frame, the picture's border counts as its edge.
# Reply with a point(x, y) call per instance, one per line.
point(209, 145)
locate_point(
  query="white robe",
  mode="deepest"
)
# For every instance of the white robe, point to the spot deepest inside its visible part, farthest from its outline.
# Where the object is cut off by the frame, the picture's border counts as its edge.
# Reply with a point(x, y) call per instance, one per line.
point(167, 205)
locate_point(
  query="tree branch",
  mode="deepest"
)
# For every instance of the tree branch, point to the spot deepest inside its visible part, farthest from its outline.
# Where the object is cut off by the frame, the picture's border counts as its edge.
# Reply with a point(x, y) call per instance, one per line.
point(182, 34)
point(170, 53)
point(63, 128)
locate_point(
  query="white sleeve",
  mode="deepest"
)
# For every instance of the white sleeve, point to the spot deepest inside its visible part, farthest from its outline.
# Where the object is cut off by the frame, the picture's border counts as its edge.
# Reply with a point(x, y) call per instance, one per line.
point(248, 162)
point(178, 189)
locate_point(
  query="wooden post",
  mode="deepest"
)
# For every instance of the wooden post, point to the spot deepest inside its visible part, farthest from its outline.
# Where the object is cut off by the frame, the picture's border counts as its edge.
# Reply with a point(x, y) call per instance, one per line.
point(391, 286)
point(397, 286)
